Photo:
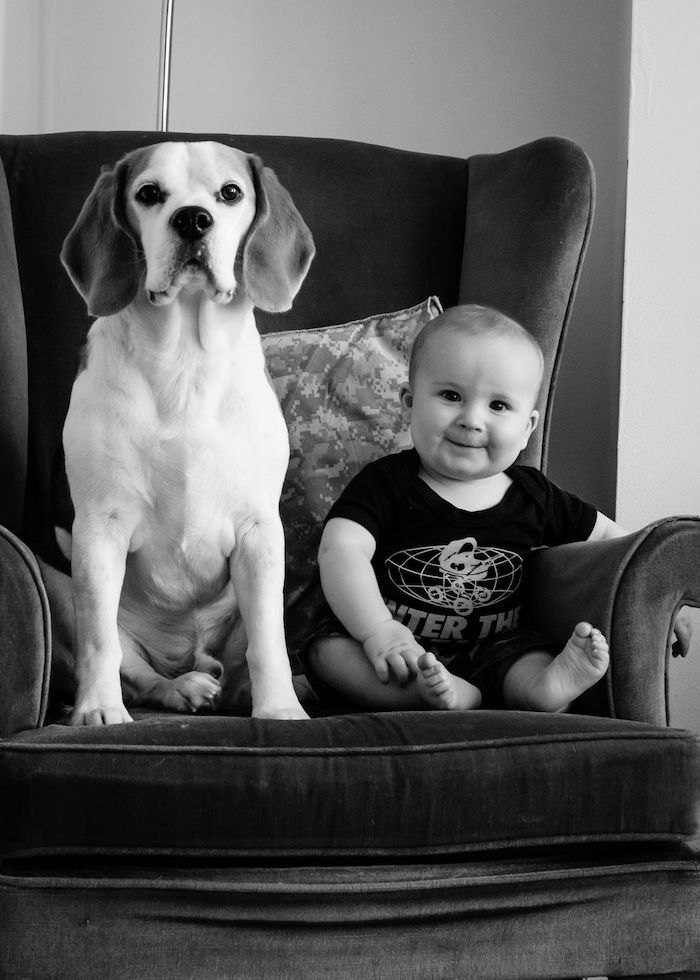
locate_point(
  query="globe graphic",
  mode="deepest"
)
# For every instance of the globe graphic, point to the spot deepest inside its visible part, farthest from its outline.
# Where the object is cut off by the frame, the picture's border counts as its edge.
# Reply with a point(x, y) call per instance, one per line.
point(459, 576)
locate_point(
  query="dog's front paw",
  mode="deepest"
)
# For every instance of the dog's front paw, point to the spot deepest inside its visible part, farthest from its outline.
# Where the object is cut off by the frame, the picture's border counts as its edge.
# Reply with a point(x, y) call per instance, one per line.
point(99, 715)
point(192, 692)
point(285, 712)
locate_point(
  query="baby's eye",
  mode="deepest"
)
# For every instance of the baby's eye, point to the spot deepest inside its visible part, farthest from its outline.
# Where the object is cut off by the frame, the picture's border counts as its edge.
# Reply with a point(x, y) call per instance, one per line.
point(449, 395)
point(499, 406)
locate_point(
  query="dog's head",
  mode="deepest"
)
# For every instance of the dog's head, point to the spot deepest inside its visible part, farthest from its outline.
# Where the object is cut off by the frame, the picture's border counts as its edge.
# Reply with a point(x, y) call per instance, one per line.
point(193, 216)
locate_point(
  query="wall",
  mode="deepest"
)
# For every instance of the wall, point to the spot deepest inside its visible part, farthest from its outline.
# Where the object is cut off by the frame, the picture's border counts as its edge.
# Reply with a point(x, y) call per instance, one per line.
point(78, 64)
point(22, 56)
point(659, 461)
point(444, 76)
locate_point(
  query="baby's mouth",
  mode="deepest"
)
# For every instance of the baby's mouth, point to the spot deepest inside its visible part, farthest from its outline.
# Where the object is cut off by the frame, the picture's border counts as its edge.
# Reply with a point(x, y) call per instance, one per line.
point(465, 445)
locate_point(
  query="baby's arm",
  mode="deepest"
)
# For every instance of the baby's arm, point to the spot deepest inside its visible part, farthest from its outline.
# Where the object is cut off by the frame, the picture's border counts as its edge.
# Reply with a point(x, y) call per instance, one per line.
point(605, 529)
point(351, 590)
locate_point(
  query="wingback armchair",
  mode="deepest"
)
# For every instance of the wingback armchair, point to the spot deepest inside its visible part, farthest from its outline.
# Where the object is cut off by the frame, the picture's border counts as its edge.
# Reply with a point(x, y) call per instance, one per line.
point(483, 844)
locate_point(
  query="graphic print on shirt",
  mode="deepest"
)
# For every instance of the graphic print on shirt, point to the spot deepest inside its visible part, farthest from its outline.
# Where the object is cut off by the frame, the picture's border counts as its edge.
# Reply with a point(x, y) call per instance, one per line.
point(459, 576)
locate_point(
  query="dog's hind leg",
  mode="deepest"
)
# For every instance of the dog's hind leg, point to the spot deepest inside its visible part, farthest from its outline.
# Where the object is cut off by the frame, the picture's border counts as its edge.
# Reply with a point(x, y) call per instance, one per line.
point(208, 665)
point(189, 692)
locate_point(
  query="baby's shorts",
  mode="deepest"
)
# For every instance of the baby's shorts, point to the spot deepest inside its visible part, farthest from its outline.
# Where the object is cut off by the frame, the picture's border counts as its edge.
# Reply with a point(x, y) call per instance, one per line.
point(488, 661)
point(484, 664)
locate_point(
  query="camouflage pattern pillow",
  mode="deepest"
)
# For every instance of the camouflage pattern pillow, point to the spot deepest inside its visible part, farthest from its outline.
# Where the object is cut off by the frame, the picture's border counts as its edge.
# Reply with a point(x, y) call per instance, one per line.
point(339, 391)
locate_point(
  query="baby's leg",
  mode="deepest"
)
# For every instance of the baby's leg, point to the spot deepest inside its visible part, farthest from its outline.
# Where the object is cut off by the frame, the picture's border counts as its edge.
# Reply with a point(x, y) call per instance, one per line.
point(442, 690)
point(340, 662)
point(540, 682)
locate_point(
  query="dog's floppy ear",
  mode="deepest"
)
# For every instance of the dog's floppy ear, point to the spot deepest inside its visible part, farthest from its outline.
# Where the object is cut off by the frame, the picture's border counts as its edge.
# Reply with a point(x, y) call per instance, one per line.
point(279, 247)
point(101, 256)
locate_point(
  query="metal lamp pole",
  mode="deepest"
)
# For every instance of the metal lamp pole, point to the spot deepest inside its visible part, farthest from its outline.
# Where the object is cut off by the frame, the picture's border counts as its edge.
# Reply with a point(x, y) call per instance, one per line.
point(166, 39)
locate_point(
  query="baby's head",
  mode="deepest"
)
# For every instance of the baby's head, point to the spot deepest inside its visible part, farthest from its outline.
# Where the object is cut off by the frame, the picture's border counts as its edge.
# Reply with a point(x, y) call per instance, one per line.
point(474, 380)
point(470, 321)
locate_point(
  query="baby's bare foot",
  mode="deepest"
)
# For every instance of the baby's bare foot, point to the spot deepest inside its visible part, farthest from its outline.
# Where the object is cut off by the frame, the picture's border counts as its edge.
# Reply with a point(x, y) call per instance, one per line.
point(441, 690)
point(581, 663)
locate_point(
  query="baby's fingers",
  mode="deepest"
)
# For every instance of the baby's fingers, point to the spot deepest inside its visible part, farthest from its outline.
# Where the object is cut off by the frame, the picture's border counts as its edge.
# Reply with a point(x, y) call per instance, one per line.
point(683, 632)
point(391, 664)
point(381, 668)
point(411, 658)
point(399, 668)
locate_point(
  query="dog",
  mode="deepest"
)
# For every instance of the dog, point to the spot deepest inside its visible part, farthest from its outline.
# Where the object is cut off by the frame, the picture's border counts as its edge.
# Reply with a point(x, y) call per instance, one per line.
point(175, 445)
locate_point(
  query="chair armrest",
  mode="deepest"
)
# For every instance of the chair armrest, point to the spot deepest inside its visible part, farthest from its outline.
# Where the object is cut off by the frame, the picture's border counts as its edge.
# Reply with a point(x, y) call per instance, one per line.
point(630, 588)
point(25, 638)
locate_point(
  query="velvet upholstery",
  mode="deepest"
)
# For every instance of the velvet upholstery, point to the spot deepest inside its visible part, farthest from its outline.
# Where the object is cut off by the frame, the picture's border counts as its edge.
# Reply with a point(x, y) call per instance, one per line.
point(430, 785)
point(485, 845)
point(632, 588)
point(538, 916)
point(13, 376)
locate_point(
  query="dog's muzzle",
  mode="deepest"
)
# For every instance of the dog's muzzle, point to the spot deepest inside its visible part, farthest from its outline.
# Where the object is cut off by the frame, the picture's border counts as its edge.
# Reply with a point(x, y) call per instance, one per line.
point(191, 262)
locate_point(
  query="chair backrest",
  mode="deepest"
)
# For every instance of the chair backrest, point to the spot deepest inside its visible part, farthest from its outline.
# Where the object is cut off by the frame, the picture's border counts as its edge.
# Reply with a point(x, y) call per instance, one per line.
point(391, 228)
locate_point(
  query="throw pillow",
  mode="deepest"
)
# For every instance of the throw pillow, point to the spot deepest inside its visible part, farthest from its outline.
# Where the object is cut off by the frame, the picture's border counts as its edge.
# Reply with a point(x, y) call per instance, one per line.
point(338, 387)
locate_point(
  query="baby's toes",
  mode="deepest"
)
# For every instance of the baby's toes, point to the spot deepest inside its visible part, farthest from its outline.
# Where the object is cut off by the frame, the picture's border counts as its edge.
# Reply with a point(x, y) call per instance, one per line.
point(599, 647)
point(427, 662)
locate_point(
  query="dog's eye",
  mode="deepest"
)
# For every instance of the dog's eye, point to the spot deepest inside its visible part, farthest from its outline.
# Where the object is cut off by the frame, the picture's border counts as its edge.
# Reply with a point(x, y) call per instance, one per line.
point(231, 193)
point(150, 194)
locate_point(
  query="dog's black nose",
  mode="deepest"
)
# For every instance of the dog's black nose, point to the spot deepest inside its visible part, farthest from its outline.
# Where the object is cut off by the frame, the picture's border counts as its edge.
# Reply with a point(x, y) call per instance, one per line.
point(191, 223)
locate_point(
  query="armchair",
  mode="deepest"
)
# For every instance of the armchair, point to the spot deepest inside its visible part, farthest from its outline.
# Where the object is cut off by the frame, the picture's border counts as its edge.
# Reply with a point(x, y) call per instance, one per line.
point(490, 845)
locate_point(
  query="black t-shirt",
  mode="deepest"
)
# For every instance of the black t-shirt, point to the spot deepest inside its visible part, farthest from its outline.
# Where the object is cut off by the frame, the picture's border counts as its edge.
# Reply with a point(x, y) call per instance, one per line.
point(452, 575)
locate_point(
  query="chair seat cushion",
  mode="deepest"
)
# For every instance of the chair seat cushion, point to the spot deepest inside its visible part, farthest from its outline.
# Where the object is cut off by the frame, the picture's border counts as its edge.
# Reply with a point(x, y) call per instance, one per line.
point(352, 786)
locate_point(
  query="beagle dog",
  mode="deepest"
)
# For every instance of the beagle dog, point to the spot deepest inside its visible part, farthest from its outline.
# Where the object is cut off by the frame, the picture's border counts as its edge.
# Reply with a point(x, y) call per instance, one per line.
point(174, 442)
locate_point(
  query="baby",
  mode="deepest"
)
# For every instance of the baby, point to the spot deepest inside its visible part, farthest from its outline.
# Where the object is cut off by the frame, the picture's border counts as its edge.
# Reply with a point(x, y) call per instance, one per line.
point(421, 557)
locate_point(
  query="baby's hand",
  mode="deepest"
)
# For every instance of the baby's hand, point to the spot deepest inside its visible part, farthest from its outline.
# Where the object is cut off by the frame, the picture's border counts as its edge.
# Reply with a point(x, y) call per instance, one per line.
point(392, 649)
point(683, 631)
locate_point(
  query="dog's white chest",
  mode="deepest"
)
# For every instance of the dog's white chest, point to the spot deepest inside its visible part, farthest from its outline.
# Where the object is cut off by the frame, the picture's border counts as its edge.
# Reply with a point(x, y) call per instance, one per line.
point(205, 480)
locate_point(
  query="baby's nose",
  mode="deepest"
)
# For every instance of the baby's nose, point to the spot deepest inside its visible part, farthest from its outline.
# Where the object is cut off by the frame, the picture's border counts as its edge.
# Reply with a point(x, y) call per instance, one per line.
point(471, 417)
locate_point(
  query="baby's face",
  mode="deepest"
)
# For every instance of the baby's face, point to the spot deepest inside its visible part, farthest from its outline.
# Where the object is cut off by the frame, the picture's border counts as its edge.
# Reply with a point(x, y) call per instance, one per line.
point(470, 406)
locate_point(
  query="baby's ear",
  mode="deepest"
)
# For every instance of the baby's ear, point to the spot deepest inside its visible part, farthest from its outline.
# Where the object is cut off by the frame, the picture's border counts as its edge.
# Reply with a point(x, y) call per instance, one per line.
point(406, 399)
point(532, 425)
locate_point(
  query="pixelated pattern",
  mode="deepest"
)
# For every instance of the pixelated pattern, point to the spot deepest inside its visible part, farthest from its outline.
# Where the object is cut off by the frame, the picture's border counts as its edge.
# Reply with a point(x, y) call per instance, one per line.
point(339, 391)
